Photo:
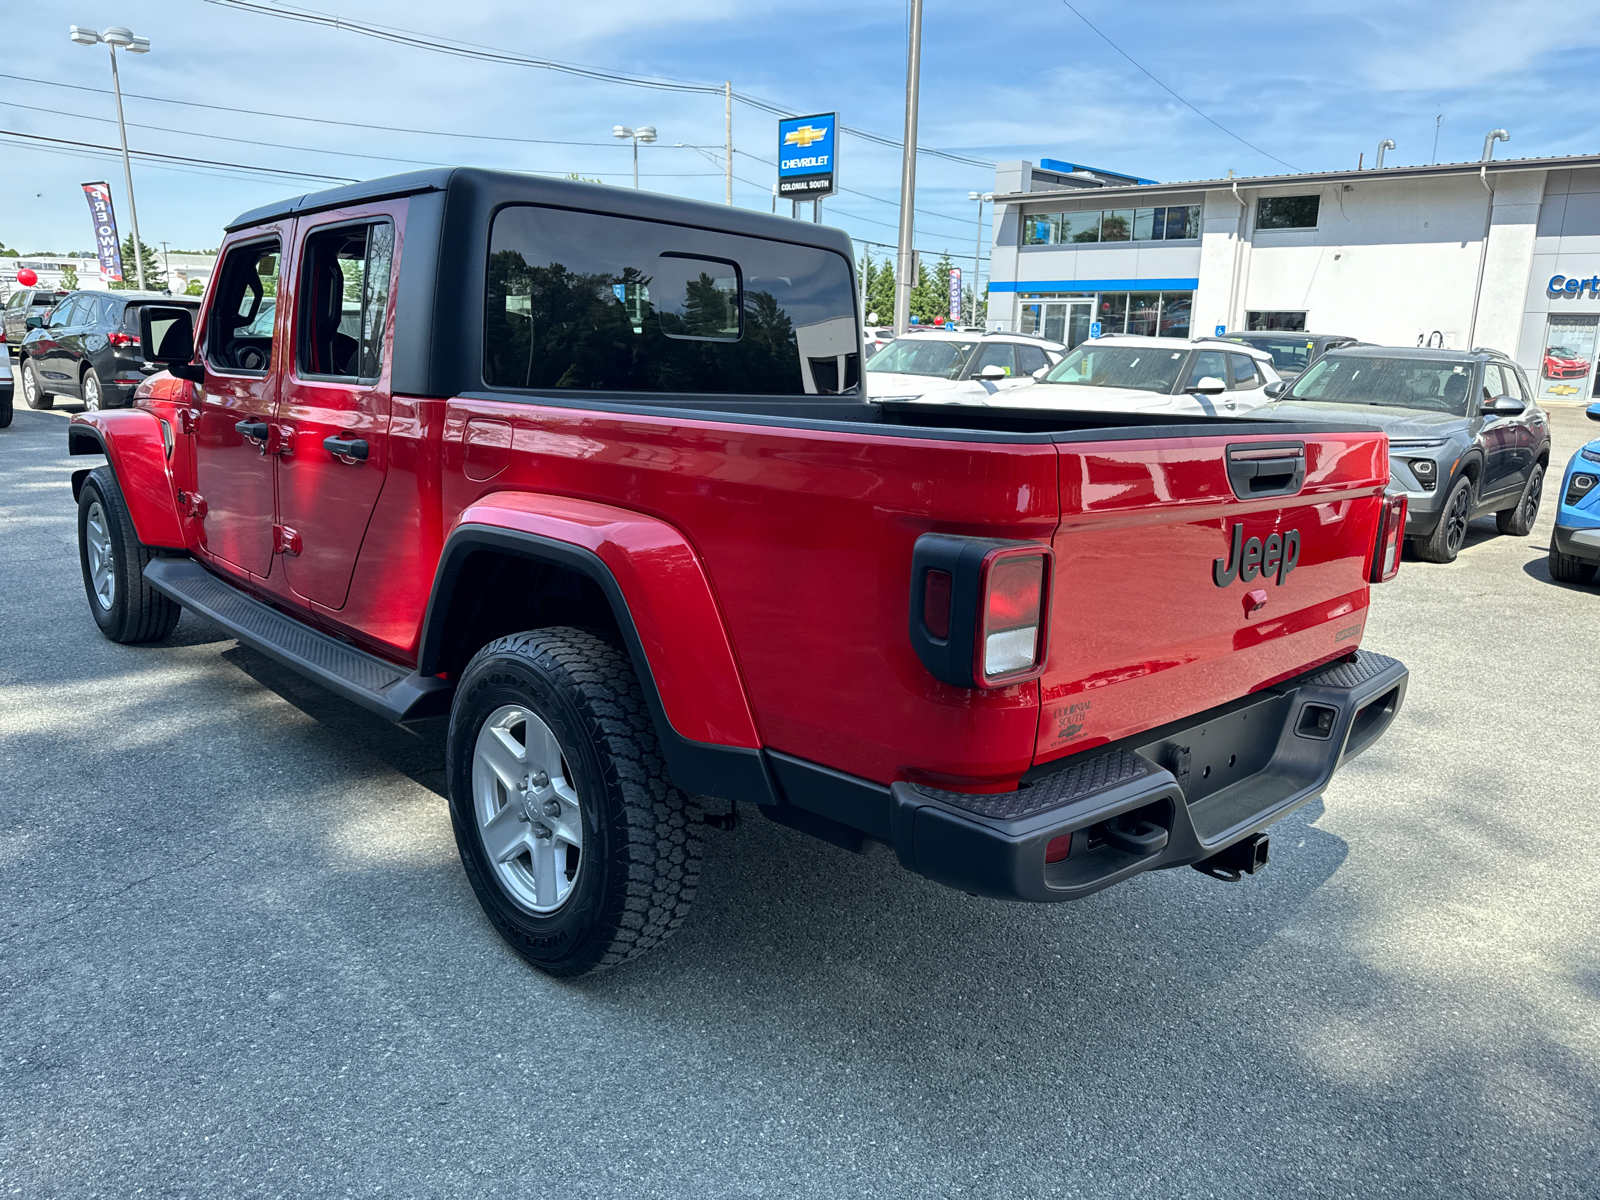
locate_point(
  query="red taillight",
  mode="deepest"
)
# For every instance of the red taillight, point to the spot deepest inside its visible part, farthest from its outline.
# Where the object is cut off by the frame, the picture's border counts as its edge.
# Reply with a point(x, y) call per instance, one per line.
point(1012, 608)
point(1058, 848)
point(118, 338)
point(936, 603)
point(1391, 539)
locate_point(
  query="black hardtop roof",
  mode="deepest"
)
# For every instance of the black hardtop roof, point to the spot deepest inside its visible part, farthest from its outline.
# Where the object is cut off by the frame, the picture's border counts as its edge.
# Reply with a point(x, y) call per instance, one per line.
point(514, 186)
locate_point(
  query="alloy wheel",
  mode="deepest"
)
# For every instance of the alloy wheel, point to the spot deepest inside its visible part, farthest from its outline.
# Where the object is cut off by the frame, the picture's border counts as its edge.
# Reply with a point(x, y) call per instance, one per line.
point(97, 539)
point(1530, 503)
point(30, 385)
point(91, 392)
point(1457, 520)
point(528, 813)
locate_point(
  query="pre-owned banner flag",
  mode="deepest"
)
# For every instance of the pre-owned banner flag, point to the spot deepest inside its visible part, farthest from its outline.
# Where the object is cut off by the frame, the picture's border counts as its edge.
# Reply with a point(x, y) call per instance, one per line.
point(106, 242)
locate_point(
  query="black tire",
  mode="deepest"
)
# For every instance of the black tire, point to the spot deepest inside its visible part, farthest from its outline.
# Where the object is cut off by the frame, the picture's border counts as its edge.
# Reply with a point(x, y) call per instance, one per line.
point(1566, 568)
point(92, 390)
point(32, 390)
point(640, 861)
point(1518, 521)
point(1445, 542)
point(133, 611)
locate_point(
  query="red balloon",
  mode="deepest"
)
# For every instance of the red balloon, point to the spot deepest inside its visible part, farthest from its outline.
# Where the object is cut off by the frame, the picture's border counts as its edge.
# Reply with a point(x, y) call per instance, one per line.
point(26, 277)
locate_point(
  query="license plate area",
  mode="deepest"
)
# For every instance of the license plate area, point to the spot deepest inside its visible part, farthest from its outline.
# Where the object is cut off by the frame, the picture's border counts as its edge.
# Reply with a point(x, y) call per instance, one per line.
point(1224, 751)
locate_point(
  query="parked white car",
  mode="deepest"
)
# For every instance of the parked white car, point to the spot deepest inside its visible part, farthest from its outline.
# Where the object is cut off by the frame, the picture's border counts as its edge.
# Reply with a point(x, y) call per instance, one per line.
point(1129, 373)
point(958, 368)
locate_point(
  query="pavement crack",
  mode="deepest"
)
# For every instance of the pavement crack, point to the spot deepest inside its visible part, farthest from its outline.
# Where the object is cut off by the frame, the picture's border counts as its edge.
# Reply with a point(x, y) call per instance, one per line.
point(112, 895)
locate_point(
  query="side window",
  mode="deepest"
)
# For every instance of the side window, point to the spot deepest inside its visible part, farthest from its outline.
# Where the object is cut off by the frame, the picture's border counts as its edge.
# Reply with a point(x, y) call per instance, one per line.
point(1211, 363)
point(1493, 385)
point(16, 300)
point(344, 301)
point(1244, 371)
point(63, 314)
point(1514, 377)
point(592, 301)
point(1030, 359)
point(995, 354)
point(239, 329)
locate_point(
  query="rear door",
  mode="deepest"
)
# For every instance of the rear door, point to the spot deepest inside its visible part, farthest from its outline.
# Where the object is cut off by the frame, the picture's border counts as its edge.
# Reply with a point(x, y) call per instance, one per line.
point(1193, 570)
point(333, 415)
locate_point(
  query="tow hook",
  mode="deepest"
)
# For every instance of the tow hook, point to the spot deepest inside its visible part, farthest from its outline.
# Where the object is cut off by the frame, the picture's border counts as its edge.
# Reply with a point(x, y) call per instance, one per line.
point(1244, 857)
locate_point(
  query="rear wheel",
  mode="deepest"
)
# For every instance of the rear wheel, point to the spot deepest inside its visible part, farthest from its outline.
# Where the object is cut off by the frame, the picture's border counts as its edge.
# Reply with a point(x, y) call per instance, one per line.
point(578, 846)
point(91, 391)
point(1445, 542)
point(1519, 521)
point(1565, 568)
point(123, 604)
point(32, 391)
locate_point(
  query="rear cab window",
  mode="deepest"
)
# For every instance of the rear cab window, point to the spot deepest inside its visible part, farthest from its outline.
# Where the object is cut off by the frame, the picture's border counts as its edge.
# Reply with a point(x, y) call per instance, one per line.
point(579, 300)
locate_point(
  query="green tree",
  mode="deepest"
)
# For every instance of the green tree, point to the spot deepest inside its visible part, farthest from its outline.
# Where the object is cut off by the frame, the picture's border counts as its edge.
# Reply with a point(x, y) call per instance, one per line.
point(69, 278)
point(195, 288)
point(154, 277)
point(930, 297)
point(877, 288)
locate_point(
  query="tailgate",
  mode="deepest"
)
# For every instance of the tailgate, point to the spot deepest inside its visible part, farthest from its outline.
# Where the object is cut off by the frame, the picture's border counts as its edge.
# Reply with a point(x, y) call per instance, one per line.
point(1160, 606)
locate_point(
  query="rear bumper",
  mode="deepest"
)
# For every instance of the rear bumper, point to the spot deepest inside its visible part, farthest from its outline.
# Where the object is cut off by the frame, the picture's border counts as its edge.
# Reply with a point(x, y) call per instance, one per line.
point(1578, 543)
point(1209, 782)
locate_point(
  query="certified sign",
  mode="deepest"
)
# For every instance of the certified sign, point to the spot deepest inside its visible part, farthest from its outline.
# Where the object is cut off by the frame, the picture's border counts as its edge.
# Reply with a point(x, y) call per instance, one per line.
point(807, 158)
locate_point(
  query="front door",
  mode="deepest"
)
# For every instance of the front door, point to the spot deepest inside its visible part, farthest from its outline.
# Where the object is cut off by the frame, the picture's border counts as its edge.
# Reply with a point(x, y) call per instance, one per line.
point(1500, 473)
point(1067, 321)
point(233, 439)
point(333, 415)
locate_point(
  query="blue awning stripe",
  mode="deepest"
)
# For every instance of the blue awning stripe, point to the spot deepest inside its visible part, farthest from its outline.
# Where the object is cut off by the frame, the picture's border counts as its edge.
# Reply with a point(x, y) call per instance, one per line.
point(1096, 285)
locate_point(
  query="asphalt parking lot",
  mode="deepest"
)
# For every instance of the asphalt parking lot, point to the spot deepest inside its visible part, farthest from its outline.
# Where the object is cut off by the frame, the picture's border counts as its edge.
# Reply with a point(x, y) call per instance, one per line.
point(238, 955)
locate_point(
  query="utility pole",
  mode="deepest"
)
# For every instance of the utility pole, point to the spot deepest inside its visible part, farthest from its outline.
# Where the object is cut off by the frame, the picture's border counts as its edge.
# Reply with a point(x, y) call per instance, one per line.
point(166, 265)
point(727, 119)
point(977, 249)
point(903, 281)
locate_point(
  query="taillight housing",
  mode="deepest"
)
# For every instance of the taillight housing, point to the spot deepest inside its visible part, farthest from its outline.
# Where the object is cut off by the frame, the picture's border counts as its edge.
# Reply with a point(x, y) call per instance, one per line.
point(980, 609)
point(1391, 539)
point(117, 338)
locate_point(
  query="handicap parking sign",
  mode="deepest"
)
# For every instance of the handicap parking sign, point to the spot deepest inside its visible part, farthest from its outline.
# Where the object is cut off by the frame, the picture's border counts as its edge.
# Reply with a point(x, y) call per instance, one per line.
point(1094, 328)
point(1221, 329)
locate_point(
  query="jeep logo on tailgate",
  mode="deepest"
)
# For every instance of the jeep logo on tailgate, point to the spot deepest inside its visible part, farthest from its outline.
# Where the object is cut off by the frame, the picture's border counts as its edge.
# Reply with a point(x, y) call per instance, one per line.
point(1245, 560)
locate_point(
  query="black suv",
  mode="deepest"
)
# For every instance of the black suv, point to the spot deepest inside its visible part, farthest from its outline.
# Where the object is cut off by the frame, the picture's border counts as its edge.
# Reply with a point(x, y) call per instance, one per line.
point(1293, 352)
point(88, 349)
point(25, 310)
point(1466, 437)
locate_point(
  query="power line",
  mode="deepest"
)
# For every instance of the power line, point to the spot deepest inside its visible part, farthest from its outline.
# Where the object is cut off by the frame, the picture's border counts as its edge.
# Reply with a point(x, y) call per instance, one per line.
point(440, 45)
point(1170, 92)
point(178, 158)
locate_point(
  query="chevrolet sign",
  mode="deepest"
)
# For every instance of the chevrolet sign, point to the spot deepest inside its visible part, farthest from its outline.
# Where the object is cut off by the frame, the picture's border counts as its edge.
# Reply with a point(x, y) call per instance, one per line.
point(806, 156)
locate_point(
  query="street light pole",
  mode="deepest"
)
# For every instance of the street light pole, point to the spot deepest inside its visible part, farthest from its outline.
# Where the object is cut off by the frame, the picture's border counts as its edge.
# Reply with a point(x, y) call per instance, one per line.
point(113, 37)
point(645, 134)
point(977, 249)
point(727, 118)
point(903, 282)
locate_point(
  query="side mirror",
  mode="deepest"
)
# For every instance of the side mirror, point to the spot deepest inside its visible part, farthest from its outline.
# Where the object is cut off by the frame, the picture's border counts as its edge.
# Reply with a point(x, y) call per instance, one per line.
point(1593, 412)
point(167, 337)
point(1043, 371)
point(993, 373)
point(1210, 385)
point(36, 322)
point(1274, 390)
point(1504, 406)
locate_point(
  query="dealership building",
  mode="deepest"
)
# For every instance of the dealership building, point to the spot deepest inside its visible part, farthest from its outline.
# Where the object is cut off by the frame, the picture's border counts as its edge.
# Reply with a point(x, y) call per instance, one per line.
point(1502, 254)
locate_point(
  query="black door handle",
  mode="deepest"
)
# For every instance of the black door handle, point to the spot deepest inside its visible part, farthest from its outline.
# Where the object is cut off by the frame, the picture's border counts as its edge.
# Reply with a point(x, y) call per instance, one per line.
point(253, 429)
point(349, 449)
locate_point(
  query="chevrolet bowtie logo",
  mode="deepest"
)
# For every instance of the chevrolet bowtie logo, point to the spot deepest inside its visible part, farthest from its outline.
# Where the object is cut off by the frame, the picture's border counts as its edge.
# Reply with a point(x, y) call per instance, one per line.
point(804, 136)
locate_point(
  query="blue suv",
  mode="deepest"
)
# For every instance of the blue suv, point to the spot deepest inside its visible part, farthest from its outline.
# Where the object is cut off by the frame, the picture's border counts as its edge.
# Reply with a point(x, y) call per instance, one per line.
point(1575, 546)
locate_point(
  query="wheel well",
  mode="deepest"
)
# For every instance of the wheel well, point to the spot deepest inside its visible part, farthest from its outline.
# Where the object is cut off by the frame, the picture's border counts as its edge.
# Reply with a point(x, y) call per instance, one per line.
point(496, 593)
point(1470, 469)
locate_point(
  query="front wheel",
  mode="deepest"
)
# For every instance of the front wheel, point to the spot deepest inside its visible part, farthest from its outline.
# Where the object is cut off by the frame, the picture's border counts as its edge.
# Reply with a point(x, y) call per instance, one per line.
point(123, 603)
point(32, 391)
point(1445, 542)
point(578, 846)
point(93, 393)
point(1566, 568)
point(1518, 521)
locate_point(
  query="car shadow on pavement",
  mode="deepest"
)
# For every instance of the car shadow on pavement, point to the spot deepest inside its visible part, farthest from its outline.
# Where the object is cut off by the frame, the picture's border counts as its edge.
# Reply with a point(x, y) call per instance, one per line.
point(1539, 568)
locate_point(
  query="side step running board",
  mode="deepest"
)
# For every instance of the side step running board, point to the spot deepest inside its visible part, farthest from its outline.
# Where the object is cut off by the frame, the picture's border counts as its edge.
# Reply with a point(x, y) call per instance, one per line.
point(364, 678)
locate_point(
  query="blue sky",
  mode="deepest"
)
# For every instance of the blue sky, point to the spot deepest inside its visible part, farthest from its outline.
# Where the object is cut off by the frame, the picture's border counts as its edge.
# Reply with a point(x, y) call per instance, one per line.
point(1312, 84)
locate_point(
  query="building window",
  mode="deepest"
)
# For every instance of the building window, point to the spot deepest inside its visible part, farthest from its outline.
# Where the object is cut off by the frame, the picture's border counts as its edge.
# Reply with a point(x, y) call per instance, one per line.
point(1287, 212)
point(1175, 222)
point(1268, 322)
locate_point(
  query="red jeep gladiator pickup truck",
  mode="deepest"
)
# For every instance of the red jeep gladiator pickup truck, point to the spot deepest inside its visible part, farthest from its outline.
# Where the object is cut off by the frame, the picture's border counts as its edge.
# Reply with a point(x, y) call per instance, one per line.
point(593, 472)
